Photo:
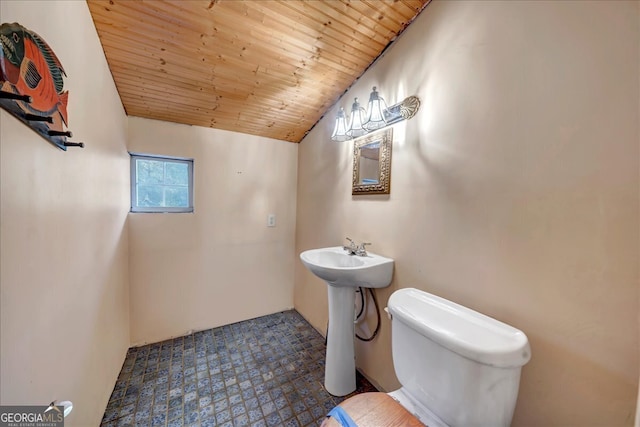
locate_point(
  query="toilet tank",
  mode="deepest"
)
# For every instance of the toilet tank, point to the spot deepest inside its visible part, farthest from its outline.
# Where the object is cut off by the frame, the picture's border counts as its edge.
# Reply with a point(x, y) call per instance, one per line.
point(460, 364)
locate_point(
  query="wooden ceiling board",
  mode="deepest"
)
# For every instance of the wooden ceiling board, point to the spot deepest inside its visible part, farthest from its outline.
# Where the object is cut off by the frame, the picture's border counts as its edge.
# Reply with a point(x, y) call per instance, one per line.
point(368, 21)
point(226, 24)
point(309, 37)
point(115, 41)
point(263, 67)
point(305, 17)
point(164, 55)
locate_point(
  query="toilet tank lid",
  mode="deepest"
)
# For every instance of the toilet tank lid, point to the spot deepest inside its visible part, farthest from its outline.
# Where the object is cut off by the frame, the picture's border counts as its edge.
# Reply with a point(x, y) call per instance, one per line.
point(460, 329)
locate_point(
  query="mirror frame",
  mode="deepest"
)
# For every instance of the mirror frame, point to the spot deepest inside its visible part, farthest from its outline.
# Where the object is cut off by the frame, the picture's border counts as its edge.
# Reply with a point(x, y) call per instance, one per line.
point(385, 137)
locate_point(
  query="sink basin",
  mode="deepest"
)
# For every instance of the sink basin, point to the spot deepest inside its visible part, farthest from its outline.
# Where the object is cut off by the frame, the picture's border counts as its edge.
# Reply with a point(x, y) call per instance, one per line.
point(337, 268)
point(344, 273)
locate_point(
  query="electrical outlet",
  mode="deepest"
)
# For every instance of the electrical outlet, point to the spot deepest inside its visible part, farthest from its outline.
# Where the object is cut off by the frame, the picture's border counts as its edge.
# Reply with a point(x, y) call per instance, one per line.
point(271, 220)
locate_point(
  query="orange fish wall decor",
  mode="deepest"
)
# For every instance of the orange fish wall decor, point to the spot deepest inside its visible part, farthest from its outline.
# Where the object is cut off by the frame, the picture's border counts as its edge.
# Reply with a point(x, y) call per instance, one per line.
point(32, 85)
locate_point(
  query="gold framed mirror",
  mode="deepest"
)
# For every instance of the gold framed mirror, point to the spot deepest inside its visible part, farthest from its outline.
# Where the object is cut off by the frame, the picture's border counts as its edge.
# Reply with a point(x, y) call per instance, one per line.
point(372, 163)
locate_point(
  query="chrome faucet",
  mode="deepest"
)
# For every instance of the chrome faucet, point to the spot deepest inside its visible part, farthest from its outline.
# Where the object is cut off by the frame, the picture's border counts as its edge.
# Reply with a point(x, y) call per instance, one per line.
point(354, 249)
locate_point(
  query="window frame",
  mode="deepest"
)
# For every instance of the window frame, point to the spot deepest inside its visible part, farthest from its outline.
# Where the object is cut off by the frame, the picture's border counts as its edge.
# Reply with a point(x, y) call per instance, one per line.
point(134, 177)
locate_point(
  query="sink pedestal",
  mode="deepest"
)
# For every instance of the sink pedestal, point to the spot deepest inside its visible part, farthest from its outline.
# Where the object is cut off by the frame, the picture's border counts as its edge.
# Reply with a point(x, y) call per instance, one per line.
point(340, 364)
point(343, 273)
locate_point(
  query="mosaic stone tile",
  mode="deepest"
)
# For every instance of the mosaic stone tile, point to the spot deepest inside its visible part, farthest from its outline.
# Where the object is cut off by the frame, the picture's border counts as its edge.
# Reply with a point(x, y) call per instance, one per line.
point(305, 418)
point(267, 371)
point(117, 393)
point(175, 402)
point(218, 395)
point(175, 413)
point(318, 412)
point(273, 420)
point(206, 412)
point(291, 423)
point(205, 401)
point(145, 403)
point(248, 393)
point(160, 396)
point(175, 423)
point(221, 405)
point(125, 421)
point(235, 399)
point(223, 416)
point(298, 406)
point(268, 408)
point(241, 421)
point(146, 392)
point(263, 397)
point(142, 416)
point(286, 412)
point(159, 419)
point(255, 415)
point(110, 415)
point(191, 417)
point(233, 389)
point(161, 408)
point(237, 410)
point(190, 407)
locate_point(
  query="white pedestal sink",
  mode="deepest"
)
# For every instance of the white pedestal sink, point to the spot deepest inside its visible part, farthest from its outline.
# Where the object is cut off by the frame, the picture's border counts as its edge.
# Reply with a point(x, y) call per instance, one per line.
point(344, 273)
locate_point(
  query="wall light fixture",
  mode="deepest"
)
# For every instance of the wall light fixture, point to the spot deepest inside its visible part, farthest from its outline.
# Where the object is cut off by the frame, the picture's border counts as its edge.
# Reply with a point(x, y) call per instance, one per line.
point(377, 116)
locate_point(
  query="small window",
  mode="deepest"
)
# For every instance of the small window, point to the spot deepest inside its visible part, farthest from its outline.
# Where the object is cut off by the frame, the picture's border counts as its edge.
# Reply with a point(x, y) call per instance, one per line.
point(161, 184)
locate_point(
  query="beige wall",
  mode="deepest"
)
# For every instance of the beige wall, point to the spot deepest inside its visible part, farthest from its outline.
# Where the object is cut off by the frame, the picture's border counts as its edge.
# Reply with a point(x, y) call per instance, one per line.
point(64, 322)
point(514, 192)
point(220, 264)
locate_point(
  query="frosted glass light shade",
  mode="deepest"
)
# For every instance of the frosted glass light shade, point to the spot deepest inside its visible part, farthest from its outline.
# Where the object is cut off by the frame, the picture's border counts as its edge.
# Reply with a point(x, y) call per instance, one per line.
point(358, 113)
point(377, 105)
point(340, 129)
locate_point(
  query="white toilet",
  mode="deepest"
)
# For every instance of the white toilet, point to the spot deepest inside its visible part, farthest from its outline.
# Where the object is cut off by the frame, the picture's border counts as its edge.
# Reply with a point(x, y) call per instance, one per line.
point(457, 367)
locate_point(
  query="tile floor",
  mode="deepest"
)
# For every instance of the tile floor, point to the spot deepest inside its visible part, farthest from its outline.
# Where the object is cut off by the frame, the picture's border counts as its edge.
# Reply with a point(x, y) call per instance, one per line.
point(267, 371)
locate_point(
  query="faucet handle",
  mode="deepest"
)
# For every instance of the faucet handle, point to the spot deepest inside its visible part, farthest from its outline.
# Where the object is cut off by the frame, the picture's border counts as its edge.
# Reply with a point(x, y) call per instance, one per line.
point(352, 248)
point(361, 250)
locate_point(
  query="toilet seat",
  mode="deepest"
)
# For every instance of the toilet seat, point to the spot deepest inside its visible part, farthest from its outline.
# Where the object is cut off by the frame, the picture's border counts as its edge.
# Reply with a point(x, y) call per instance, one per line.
point(375, 409)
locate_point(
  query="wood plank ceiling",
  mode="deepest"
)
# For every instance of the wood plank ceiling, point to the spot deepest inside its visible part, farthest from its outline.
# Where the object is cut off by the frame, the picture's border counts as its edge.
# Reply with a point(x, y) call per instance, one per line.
point(262, 67)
